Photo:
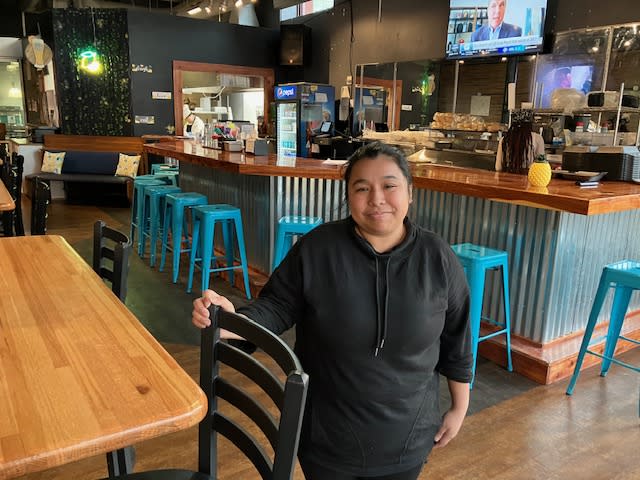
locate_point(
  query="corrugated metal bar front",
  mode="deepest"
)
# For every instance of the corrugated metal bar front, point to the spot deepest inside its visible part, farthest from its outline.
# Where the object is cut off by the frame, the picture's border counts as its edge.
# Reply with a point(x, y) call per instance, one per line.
point(555, 258)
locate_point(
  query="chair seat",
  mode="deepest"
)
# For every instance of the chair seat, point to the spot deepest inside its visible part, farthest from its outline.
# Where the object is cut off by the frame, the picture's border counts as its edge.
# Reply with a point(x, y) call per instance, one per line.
point(471, 252)
point(165, 475)
point(625, 272)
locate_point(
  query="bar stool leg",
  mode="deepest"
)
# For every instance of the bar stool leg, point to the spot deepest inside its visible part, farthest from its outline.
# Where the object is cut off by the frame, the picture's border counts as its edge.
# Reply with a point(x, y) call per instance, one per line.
point(177, 230)
point(153, 228)
point(227, 236)
point(601, 293)
point(507, 312)
point(195, 246)
point(476, 281)
point(168, 224)
point(208, 234)
point(280, 246)
point(243, 257)
point(621, 300)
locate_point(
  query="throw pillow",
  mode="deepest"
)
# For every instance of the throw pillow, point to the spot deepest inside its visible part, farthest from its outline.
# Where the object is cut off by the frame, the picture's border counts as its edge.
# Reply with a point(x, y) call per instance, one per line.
point(52, 162)
point(128, 165)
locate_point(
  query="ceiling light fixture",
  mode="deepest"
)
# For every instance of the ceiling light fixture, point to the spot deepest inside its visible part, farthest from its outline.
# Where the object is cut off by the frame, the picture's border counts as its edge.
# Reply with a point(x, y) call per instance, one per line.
point(238, 3)
point(194, 10)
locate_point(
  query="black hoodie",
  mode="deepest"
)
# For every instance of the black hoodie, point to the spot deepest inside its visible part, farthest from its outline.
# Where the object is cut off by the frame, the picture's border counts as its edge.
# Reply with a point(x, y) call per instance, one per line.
point(372, 331)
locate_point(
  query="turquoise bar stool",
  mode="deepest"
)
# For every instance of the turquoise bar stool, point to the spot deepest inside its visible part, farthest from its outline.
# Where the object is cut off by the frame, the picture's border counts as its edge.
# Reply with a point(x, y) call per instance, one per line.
point(624, 278)
point(163, 168)
point(476, 260)
point(175, 205)
point(205, 218)
point(138, 201)
point(153, 217)
point(288, 227)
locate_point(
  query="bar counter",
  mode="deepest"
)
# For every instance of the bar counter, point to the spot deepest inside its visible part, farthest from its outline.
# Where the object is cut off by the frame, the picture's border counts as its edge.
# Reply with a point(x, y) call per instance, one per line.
point(558, 238)
point(561, 195)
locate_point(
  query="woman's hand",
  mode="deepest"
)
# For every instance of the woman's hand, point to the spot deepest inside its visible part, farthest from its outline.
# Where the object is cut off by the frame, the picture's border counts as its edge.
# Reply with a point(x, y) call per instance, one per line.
point(200, 314)
point(453, 419)
point(451, 424)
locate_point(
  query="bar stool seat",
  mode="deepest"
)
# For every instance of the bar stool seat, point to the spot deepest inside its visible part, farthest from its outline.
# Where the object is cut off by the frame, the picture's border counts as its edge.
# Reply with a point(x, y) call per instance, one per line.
point(153, 217)
point(205, 218)
point(476, 260)
point(163, 167)
point(175, 206)
point(624, 278)
point(288, 227)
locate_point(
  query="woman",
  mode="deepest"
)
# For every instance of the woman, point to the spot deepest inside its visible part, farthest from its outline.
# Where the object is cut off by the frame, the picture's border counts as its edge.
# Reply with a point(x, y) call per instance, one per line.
point(380, 307)
point(520, 146)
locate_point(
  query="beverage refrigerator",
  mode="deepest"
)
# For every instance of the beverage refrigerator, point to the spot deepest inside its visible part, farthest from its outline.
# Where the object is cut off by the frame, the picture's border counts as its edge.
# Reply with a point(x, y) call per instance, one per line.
point(301, 108)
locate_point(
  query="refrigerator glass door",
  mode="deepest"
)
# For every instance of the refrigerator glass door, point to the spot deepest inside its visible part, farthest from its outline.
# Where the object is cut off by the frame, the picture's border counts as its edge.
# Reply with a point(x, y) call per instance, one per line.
point(287, 129)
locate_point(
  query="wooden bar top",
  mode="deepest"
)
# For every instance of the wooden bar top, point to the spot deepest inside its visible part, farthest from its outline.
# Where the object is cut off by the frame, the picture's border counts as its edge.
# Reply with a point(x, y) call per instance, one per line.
point(6, 202)
point(79, 373)
point(562, 195)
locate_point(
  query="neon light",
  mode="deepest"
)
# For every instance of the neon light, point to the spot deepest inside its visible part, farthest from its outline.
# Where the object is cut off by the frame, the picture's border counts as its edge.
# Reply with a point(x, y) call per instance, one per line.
point(90, 62)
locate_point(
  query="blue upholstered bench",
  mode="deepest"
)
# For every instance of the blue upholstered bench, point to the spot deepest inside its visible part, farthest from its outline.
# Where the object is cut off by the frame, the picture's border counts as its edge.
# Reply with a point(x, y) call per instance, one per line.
point(93, 161)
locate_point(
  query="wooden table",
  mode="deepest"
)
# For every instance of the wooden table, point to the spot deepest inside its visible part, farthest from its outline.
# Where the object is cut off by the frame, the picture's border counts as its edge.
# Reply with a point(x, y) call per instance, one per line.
point(6, 202)
point(79, 374)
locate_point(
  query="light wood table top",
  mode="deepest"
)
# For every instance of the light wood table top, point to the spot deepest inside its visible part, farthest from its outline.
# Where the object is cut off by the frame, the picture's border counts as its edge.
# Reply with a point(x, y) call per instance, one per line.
point(6, 202)
point(562, 195)
point(79, 374)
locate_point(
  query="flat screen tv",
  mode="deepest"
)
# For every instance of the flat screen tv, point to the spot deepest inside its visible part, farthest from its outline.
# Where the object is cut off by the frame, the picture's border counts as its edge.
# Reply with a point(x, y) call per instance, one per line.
point(479, 28)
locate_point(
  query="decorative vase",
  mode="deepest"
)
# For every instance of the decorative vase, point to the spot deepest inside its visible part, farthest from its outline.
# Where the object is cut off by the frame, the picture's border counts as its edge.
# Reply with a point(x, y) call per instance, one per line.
point(540, 172)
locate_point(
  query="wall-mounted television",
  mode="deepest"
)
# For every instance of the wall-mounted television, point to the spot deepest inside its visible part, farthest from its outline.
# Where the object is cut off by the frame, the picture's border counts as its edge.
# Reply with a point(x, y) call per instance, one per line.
point(480, 28)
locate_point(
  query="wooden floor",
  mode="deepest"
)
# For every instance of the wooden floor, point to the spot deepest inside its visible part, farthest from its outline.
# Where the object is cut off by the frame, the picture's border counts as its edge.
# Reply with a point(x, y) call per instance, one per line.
point(540, 434)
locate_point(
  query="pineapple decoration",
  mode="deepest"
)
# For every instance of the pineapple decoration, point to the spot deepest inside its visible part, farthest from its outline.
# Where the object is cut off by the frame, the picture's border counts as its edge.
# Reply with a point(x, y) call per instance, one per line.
point(540, 172)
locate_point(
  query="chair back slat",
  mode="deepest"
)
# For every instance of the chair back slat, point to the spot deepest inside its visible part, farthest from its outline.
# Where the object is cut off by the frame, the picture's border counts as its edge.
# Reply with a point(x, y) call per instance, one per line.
point(254, 370)
point(258, 335)
point(250, 407)
point(245, 443)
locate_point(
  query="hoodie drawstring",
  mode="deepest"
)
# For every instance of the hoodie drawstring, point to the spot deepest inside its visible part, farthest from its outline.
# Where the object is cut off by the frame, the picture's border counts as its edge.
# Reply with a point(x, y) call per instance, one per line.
point(382, 311)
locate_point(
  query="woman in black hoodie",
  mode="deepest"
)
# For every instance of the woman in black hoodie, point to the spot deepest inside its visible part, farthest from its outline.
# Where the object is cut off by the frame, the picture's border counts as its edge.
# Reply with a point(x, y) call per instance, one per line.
point(380, 307)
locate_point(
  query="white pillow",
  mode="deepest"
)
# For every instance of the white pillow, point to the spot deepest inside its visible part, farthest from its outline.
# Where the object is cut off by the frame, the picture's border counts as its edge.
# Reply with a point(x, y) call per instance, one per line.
point(128, 165)
point(52, 162)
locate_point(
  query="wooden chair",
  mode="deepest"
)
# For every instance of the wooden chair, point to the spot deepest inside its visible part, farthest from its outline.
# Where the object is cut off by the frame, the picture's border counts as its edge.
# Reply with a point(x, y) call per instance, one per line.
point(40, 199)
point(11, 171)
point(289, 399)
point(112, 245)
point(118, 254)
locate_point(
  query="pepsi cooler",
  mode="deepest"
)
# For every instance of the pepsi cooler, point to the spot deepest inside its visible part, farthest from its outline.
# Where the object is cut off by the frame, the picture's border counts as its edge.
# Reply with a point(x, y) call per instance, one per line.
point(301, 110)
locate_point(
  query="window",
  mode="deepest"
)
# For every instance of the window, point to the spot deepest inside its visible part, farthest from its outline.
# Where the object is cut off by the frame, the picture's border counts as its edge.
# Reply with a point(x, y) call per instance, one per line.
point(305, 8)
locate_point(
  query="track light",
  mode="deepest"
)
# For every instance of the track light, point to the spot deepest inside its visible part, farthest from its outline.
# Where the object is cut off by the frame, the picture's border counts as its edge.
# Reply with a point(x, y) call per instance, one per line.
point(194, 10)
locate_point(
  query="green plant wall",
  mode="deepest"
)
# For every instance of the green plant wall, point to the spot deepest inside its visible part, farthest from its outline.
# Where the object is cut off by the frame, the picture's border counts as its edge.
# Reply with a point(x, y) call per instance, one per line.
point(93, 104)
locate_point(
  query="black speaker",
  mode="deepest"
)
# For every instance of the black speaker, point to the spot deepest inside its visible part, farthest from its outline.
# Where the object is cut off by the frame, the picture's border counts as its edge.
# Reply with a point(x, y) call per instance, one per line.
point(295, 44)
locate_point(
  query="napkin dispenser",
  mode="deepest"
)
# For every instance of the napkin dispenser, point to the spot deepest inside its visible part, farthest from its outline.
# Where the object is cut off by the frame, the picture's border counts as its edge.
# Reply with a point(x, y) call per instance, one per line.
point(257, 146)
point(232, 146)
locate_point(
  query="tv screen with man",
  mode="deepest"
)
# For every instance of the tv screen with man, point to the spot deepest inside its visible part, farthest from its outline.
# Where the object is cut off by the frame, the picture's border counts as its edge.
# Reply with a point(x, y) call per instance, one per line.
point(495, 27)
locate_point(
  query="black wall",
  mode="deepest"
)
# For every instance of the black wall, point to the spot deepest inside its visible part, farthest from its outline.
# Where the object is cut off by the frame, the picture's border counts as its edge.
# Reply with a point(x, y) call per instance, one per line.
point(592, 13)
point(156, 39)
point(10, 19)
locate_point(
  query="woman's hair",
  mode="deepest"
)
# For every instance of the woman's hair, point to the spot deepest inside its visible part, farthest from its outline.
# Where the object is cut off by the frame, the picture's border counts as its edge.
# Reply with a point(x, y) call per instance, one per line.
point(517, 146)
point(373, 150)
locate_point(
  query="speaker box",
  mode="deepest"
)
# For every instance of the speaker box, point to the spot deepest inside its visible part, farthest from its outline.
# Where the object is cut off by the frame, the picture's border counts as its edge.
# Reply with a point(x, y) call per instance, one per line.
point(295, 44)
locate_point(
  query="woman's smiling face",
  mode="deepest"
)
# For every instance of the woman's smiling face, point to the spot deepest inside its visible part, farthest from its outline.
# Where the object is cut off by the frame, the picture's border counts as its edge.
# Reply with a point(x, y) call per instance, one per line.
point(379, 198)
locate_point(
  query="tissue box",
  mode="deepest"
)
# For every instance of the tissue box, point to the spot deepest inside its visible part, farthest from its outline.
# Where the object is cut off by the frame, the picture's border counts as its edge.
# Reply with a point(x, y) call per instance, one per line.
point(233, 146)
point(257, 146)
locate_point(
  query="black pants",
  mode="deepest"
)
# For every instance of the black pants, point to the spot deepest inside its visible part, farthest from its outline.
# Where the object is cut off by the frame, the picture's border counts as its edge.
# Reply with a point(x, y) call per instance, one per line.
point(313, 471)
